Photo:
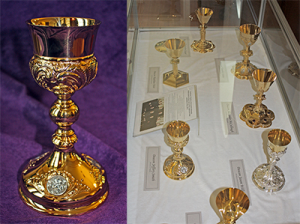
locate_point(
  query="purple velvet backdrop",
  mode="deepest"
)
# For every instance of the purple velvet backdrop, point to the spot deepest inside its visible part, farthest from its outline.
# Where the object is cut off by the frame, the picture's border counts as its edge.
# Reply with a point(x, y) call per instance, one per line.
point(26, 128)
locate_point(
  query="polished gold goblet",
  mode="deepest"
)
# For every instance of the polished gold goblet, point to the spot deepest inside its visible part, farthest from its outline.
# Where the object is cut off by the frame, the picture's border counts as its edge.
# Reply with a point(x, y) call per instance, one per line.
point(202, 45)
point(173, 49)
point(258, 115)
point(63, 182)
point(232, 204)
point(178, 166)
point(269, 177)
point(248, 34)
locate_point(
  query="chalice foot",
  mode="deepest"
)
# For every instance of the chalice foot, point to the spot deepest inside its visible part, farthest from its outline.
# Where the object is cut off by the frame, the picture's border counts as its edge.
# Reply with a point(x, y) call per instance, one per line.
point(266, 183)
point(179, 169)
point(181, 79)
point(202, 47)
point(243, 70)
point(255, 120)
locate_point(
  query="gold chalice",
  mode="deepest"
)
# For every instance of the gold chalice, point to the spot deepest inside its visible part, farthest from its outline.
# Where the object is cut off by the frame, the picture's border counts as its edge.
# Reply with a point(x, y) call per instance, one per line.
point(269, 177)
point(178, 166)
point(202, 45)
point(63, 182)
point(173, 49)
point(249, 34)
point(258, 115)
point(232, 204)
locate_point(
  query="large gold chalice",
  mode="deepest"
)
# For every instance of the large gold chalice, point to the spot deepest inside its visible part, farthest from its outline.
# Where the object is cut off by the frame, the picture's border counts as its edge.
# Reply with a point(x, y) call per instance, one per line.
point(232, 204)
point(173, 49)
point(178, 166)
point(202, 45)
point(63, 182)
point(258, 115)
point(249, 34)
point(269, 177)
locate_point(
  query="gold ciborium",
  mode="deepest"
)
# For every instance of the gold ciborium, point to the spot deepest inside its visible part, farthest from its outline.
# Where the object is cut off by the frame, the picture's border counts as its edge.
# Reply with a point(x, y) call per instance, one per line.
point(178, 166)
point(173, 49)
point(258, 115)
point(63, 182)
point(248, 34)
point(269, 177)
point(232, 204)
point(202, 45)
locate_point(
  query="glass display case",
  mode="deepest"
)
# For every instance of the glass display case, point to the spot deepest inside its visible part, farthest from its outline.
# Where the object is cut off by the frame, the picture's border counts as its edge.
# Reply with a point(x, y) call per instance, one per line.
point(225, 143)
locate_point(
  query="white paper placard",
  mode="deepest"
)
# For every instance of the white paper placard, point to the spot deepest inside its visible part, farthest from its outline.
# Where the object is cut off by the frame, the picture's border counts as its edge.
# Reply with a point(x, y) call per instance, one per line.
point(239, 175)
point(153, 80)
point(151, 181)
point(193, 218)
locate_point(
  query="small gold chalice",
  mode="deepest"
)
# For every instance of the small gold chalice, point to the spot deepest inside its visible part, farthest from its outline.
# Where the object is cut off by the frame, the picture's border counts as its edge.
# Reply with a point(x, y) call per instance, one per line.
point(258, 115)
point(173, 49)
point(63, 182)
point(249, 34)
point(232, 204)
point(202, 45)
point(269, 177)
point(178, 166)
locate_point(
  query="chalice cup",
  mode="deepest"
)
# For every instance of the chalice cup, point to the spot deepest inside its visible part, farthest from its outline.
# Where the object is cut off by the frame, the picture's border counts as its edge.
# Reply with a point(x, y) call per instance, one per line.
point(178, 166)
point(63, 182)
point(258, 115)
point(173, 49)
point(202, 45)
point(248, 34)
point(269, 177)
point(232, 204)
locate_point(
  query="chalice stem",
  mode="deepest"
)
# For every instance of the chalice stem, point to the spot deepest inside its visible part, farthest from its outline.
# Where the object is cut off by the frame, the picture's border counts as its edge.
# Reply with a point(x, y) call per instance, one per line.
point(257, 105)
point(246, 55)
point(175, 70)
point(202, 33)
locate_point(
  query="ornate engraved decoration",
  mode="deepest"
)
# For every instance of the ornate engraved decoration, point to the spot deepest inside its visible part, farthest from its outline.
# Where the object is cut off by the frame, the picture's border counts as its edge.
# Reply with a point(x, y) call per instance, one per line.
point(61, 184)
point(32, 162)
point(63, 75)
point(97, 171)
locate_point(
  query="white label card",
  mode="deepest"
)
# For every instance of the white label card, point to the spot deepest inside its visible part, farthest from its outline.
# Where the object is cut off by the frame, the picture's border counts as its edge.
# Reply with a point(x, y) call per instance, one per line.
point(221, 69)
point(151, 182)
point(229, 118)
point(239, 175)
point(153, 80)
point(193, 218)
point(186, 49)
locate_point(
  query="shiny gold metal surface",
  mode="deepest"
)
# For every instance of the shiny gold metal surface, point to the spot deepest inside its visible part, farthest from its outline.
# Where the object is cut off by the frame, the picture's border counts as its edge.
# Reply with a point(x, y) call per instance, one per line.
point(248, 34)
point(232, 204)
point(173, 49)
point(269, 177)
point(202, 45)
point(258, 115)
point(178, 166)
point(63, 182)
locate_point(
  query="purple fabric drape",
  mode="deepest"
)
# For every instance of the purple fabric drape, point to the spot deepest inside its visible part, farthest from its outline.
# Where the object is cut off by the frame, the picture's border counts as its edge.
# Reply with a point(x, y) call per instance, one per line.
point(26, 128)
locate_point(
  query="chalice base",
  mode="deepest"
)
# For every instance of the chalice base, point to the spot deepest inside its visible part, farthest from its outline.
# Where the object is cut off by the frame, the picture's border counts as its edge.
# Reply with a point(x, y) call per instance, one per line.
point(181, 79)
point(256, 120)
point(243, 70)
point(63, 183)
point(268, 183)
point(202, 47)
point(179, 169)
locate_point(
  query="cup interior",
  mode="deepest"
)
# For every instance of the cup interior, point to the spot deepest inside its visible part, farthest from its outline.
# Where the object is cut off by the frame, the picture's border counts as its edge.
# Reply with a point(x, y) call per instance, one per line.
point(174, 44)
point(264, 75)
point(250, 29)
point(204, 11)
point(63, 22)
point(178, 129)
point(279, 137)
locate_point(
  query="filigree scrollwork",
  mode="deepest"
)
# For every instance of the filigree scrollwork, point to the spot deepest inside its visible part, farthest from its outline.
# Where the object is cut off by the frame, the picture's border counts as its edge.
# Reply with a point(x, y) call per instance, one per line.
point(97, 170)
point(63, 76)
point(57, 185)
point(33, 162)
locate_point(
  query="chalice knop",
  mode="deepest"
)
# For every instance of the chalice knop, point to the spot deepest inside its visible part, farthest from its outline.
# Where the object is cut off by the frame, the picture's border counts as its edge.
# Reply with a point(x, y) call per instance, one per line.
point(248, 34)
point(258, 115)
point(202, 45)
point(178, 166)
point(173, 49)
point(269, 177)
point(63, 182)
point(232, 204)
